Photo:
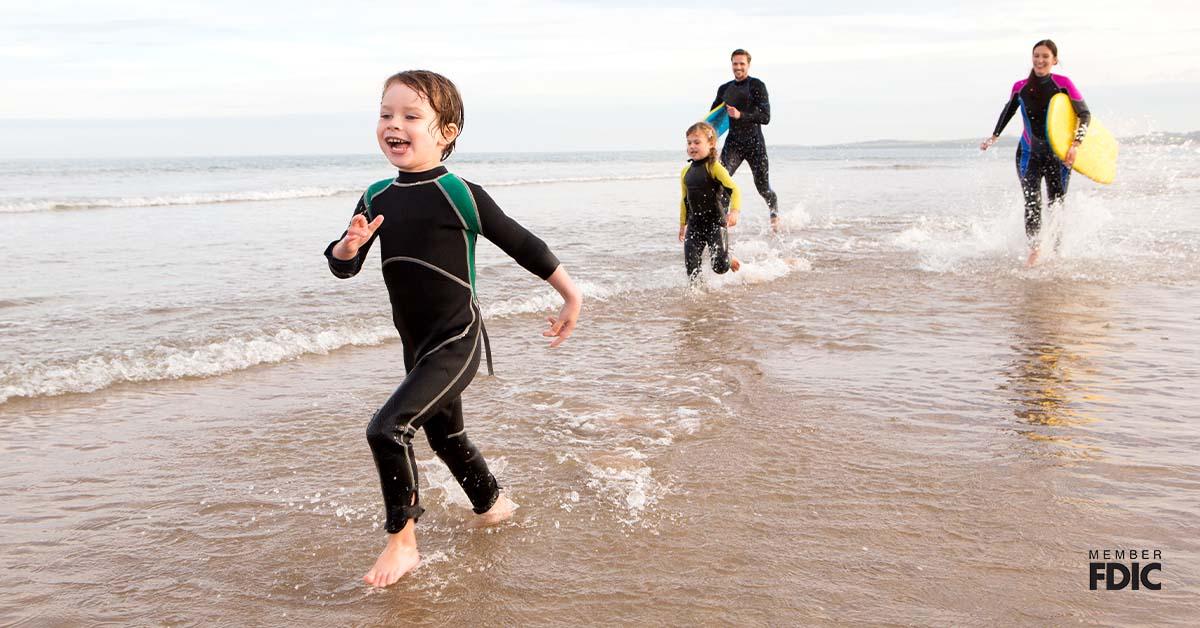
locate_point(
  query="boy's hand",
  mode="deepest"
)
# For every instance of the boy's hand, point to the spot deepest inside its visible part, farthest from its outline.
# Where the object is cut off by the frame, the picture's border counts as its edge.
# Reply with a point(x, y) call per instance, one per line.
point(682, 232)
point(357, 234)
point(562, 325)
point(731, 218)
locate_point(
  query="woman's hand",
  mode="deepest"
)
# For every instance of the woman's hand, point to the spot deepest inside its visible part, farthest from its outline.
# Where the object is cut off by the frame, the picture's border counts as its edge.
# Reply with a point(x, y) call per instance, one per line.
point(987, 143)
point(1070, 157)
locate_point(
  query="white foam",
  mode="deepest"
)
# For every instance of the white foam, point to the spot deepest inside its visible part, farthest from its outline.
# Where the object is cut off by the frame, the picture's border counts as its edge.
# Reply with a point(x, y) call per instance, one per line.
point(162, 362)
point(180, 199)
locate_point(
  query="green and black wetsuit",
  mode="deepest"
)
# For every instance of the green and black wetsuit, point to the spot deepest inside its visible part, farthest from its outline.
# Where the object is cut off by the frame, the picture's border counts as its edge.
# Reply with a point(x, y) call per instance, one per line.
point(428, 249)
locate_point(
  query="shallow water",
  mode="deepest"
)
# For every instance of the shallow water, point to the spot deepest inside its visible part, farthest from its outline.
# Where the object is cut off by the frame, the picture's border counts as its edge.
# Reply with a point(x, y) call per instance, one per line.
point(885, 418)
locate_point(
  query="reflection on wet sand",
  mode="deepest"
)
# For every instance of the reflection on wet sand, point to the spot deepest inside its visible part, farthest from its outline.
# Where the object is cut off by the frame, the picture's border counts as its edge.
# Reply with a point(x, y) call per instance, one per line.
point(1057, 329)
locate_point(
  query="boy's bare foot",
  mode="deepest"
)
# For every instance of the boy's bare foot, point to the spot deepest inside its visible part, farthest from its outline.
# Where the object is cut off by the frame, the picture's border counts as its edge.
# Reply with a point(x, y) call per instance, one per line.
point(1033, 257)
point(502, 510)
point(775, 223)
point(734, 264)
point(398, 558)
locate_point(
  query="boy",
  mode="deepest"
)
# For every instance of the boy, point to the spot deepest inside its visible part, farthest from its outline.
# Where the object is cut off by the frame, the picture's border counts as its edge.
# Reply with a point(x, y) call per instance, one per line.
point(428, 220)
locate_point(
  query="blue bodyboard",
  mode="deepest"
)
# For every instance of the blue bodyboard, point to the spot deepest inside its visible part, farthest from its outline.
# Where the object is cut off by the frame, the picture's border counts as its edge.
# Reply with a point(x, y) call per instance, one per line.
point(719, 119)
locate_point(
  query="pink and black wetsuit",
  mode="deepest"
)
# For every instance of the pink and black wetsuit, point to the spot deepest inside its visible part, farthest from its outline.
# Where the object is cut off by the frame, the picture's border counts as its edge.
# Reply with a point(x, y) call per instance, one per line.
point(1035, 159)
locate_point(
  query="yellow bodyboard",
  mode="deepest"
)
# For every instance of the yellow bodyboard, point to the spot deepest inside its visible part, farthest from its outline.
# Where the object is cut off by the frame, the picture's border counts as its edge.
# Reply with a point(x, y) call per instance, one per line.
point(1096, 157)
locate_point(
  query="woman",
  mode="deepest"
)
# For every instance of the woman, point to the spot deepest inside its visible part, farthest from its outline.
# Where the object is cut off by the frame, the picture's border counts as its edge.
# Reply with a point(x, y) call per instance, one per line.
point(1035, 159)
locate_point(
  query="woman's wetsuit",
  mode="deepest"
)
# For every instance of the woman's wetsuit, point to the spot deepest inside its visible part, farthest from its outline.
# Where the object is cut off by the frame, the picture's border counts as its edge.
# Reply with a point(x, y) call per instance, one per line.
point(702, 210)
point(428, 266)
point(745, 140)
point(1035, 159)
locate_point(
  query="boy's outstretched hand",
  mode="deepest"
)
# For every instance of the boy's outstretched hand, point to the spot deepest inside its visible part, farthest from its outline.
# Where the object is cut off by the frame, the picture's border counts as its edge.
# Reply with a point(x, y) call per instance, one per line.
point(357, 234)
point(562, 325)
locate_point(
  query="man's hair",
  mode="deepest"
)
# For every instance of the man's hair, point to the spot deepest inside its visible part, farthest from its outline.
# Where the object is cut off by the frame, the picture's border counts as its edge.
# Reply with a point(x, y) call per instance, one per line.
point(742, 52)
point(440, 93)
point(706, 131)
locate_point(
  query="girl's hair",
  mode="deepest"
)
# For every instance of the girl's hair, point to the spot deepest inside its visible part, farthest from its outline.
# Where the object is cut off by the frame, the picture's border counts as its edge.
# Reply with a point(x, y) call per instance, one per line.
point(440, 93)
point(706, 131)
point(1053, 50)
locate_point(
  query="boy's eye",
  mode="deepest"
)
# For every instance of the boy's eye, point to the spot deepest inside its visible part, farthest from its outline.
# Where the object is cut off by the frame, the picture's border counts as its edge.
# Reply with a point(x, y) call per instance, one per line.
point(411, 116)
point(385, 116)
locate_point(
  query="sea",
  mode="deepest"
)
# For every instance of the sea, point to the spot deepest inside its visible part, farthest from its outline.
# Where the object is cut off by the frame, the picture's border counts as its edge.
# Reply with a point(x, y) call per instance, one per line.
point(885, 418)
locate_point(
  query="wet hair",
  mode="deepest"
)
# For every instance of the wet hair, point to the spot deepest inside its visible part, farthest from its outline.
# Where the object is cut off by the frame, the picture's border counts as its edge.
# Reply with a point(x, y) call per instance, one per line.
point(741, 52)
point(1053, 50)
point(706, 131)
point(442, 96)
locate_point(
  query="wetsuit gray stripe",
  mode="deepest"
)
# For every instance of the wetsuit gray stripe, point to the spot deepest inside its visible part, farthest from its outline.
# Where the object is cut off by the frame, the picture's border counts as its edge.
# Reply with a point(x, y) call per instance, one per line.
point(398, 184)
point(450, 340)
point(412, 463)
point(466, 242)
point(478, 217)
point(401, 258)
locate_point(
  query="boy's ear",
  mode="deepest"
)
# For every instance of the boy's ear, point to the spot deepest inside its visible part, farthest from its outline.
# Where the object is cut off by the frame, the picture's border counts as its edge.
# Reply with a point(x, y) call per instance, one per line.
point(450, 132)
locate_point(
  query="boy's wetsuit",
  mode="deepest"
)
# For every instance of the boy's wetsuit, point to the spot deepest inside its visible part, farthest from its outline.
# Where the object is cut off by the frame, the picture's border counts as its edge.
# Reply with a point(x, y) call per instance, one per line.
point(1035, 159)
point(745, 140)
point(428, 266)
point(702, 210)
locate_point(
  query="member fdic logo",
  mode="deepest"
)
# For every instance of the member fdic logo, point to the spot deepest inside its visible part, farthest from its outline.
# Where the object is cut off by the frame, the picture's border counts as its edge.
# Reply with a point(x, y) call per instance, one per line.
point(1117, 569)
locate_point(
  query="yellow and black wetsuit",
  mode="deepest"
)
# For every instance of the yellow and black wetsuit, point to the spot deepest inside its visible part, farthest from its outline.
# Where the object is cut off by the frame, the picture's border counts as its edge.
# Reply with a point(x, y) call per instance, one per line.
point(427, 243)
point(702, 210)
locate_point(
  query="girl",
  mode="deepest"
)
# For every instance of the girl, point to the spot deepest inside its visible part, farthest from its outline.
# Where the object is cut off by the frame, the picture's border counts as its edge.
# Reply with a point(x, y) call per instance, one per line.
point(702, 219)
point(1035, 159)
point(428, 219)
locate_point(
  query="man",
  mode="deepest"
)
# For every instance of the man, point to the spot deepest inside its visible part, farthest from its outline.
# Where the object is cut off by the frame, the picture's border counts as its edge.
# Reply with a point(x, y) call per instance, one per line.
point(746, 102)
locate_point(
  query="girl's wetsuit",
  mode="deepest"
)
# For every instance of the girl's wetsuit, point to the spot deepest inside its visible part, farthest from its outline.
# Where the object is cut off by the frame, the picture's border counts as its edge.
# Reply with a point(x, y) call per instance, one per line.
point(428, 268)
point(1035, 159)
point(702, 210)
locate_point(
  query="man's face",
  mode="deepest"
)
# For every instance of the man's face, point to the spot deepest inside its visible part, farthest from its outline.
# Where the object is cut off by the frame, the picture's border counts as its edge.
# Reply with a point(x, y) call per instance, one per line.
point(741, 67)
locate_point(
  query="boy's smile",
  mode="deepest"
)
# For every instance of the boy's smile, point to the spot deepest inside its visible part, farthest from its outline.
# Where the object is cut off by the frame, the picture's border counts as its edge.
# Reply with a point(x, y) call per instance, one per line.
point(408, 130)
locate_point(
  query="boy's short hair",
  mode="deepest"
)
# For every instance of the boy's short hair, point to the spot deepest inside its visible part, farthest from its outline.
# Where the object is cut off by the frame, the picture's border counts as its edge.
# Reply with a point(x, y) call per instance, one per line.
point(441, 94)
point(741, 52)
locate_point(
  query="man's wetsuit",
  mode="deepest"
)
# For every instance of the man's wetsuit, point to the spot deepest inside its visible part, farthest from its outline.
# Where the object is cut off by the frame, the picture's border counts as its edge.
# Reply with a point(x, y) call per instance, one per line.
point(702, 210)
point(428, 266)
point(1035, 159)
point(745, 140)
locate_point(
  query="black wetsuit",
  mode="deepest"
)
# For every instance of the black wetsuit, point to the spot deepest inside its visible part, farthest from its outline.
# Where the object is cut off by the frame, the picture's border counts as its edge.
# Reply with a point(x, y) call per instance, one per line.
point(428, 266)
point(703, 211)
point(1035, 158)
point(745, 140)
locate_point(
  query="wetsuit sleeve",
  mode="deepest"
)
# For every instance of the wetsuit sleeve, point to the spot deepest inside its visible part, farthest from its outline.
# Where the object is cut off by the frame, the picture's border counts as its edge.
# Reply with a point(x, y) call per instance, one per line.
point(1010, 110)
point(719, 173)
point(683, 199)
point(345, 269)
point(720, 97)
point(527, 249)
point(1077, 103)
point(760, 105)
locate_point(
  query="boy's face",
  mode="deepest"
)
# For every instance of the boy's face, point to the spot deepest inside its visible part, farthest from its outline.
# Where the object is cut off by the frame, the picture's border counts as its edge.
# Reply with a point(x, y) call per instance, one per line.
point(408, 131)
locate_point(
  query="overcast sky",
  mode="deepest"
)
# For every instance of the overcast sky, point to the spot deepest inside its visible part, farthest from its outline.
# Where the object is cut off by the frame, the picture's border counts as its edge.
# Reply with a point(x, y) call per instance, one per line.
point(124, 78)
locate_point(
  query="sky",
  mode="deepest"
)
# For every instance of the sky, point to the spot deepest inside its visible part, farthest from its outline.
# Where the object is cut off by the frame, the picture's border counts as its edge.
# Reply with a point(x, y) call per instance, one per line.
point(122, 78)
